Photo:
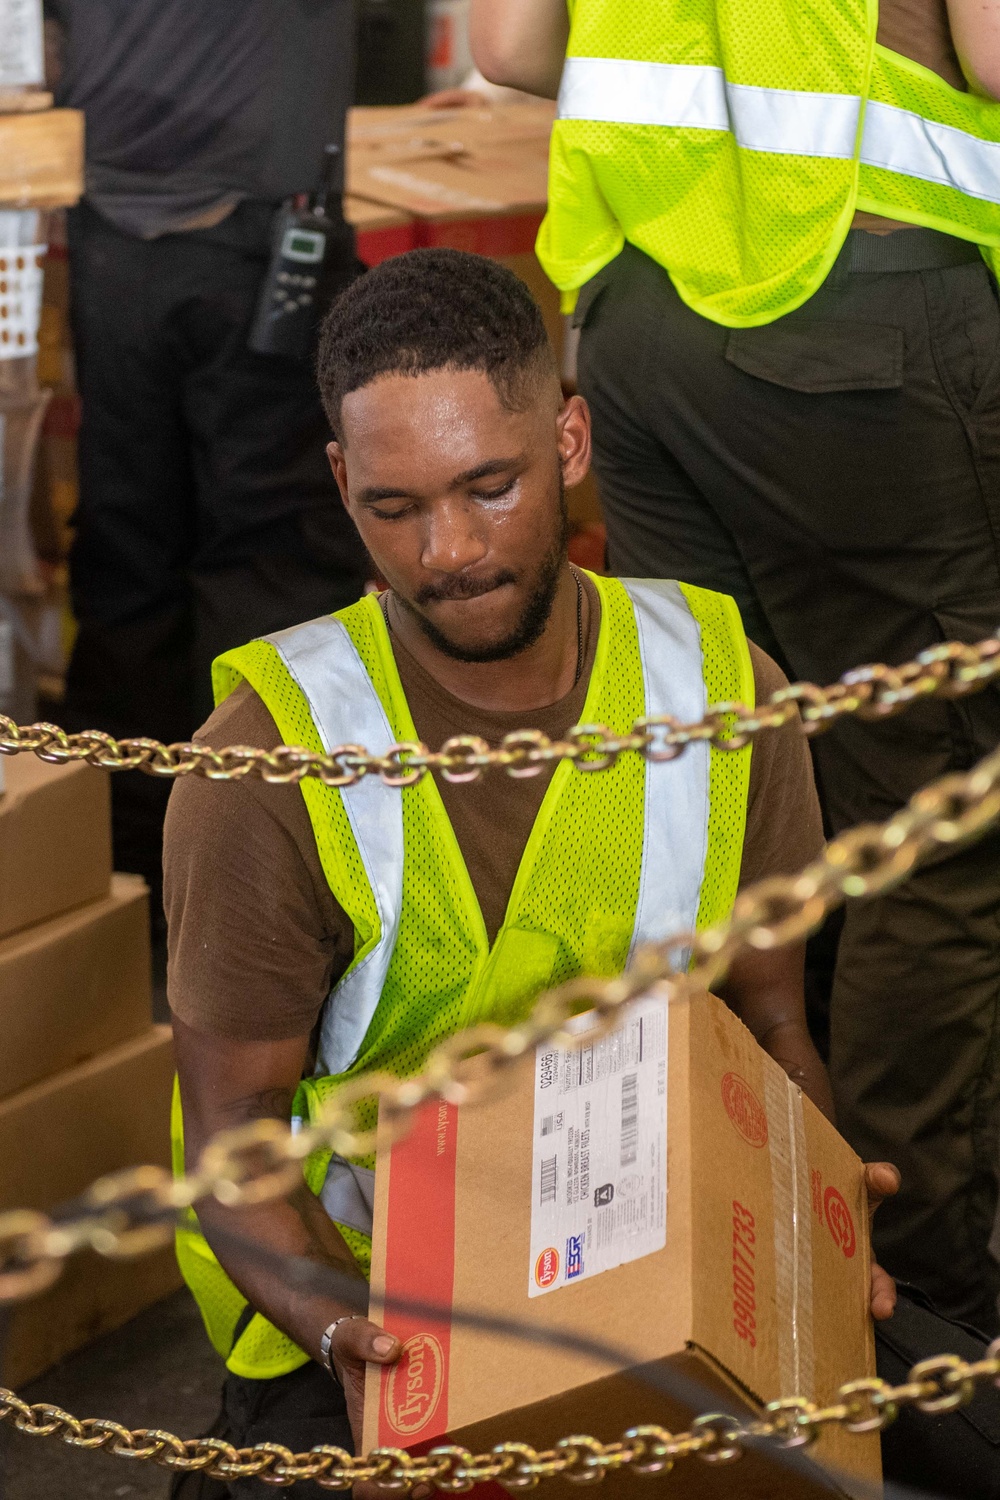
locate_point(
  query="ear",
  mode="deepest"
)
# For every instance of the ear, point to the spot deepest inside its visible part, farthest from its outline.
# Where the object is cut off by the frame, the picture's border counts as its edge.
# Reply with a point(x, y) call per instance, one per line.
point(338, 464)
point(573, 440)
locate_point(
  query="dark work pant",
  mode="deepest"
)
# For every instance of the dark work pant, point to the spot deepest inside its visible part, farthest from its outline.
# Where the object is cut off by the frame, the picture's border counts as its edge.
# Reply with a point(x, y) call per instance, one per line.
point(838, 472)
point(208, 513)
point(300, 1411)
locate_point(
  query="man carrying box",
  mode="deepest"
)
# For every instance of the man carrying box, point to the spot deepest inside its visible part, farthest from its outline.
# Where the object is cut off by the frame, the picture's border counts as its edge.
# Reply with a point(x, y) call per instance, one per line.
point(317, 934)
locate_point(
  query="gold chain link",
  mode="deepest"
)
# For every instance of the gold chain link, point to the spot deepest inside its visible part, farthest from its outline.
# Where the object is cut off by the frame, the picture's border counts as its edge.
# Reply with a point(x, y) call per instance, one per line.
point(950, 670)
point(131, 1212)
point(936, 1385)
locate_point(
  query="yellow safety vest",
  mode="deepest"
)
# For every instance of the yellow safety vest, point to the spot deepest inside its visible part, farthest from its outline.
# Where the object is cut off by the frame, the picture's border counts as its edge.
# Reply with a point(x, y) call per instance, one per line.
point(733, 142)
point(423, 966)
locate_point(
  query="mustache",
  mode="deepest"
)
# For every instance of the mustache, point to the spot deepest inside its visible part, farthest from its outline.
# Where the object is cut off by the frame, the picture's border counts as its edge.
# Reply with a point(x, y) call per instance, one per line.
point(464, 586)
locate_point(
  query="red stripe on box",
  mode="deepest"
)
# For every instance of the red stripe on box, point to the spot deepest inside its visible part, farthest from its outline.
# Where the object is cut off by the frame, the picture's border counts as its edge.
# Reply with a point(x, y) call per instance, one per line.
point(502, 234)
point(505, 234)
point(377, 245)
point(420, 1267)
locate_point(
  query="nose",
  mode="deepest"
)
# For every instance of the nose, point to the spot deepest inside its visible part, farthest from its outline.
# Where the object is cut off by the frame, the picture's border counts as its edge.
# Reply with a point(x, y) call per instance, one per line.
point(454, 539)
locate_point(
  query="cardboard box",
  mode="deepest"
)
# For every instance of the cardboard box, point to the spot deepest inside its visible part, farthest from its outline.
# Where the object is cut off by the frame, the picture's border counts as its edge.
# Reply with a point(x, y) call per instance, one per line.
point(74, 986)
point(478, 174)
point(55, 839)
point(55, 1139)
point(381, 231)
point(744, 1208)
point(110, 1112)
point(41, 158)
point(92, 1297)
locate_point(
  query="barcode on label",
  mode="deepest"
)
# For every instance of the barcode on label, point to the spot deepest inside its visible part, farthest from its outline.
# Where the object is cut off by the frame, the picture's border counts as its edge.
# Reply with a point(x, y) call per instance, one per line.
point(630, 1119)
point(549, 1177)
point(547, 1125)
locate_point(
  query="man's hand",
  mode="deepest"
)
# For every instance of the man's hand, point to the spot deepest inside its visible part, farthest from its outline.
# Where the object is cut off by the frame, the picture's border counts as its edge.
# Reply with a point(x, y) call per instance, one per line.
point(355, 1345)
point(882, 1181)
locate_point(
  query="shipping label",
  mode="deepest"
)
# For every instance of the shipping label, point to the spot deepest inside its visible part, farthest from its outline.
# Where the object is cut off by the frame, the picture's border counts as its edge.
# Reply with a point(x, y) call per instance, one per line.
point(599, 1179)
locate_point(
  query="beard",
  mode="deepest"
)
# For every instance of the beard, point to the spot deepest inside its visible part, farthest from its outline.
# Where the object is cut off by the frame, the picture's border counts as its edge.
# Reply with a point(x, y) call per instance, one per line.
point(534, 617)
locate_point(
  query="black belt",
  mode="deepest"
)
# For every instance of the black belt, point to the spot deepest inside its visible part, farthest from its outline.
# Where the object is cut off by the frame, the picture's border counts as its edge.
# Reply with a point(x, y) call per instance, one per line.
point(906, 250)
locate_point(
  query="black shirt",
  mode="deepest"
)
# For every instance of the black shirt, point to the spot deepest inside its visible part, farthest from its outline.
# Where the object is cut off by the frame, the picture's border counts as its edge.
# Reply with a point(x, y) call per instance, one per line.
point(194, 105)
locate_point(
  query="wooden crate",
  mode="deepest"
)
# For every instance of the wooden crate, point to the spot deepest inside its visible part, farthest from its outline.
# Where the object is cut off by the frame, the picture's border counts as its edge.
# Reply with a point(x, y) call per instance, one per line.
point(41, 158)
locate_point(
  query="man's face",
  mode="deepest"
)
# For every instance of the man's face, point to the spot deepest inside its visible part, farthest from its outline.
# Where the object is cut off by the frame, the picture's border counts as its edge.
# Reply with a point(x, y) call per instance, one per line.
point(460, 502)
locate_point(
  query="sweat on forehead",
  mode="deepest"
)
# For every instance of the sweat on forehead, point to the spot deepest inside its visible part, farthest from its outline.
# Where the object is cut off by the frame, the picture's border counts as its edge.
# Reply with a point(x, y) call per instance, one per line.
point(434, 310)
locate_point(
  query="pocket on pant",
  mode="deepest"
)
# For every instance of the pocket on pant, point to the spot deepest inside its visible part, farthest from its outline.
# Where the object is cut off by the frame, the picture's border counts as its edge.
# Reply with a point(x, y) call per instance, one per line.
point(969, 617)
point(815, 357)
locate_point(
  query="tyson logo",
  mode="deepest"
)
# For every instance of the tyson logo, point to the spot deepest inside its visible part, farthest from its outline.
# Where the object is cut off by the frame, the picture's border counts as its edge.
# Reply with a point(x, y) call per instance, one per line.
point(840, 1222)
point(744, 1109)
point(547, 1267)
point(413, 1386)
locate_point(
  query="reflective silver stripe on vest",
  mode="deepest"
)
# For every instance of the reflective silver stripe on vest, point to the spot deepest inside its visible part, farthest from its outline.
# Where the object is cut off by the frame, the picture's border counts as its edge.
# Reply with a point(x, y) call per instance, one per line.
point(905, 142)
point(346, 709)
point(675, 832)
point(348, 1194)
point(700, 98)
point(781, 121)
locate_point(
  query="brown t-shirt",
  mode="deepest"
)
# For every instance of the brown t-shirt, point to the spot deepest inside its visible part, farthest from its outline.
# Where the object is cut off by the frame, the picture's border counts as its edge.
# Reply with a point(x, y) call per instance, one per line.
point(919, 30)
point(256, 938)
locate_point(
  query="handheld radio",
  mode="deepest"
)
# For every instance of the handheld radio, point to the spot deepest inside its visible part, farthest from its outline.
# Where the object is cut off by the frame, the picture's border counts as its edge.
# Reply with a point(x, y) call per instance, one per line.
point(313, 257)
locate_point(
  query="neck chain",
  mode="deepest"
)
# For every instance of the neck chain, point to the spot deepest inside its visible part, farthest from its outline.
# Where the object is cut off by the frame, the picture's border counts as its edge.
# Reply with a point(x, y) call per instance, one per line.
point(579, 628)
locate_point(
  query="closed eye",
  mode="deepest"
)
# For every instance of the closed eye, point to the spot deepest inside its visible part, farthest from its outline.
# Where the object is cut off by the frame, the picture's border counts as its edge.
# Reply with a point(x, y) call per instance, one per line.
point(392, 515)
point(504, 489)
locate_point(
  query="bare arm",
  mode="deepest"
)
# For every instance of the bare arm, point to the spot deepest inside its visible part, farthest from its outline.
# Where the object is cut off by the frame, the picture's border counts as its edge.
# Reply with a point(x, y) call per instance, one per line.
point(520, 43)
point(975, 31)
point(766, 990)
point(226, 1083)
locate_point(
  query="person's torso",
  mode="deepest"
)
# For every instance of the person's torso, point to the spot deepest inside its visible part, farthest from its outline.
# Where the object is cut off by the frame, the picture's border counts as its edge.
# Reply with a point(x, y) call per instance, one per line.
point(195, 96)
point(394, 865)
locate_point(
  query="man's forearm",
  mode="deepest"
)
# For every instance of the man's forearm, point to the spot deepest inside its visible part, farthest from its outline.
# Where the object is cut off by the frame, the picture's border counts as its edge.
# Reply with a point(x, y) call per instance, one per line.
point(791, 1046)
point(520, 43)
point(296, 1229)
point(766, 990)
point(227, 1084)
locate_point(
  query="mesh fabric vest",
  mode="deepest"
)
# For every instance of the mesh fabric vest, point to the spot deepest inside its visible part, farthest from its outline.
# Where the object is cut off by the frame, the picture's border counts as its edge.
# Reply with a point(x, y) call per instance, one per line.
point(572, 908)
point(732, 142)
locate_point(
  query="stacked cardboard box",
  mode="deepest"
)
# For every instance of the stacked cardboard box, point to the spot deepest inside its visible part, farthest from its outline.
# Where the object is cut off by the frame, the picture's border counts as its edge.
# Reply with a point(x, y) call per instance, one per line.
point(85, 1076)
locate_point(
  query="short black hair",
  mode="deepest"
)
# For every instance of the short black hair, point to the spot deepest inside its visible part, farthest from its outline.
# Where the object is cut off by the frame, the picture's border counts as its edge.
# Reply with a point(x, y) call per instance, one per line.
point(434, 310)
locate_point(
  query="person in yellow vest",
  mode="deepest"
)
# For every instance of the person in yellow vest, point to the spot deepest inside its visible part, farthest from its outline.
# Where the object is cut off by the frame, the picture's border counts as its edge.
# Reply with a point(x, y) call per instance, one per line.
point(317, 933)
point(778, 226)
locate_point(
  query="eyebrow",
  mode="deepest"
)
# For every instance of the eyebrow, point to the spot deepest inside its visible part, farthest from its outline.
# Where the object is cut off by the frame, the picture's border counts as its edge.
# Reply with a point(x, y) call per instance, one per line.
point(372, 494)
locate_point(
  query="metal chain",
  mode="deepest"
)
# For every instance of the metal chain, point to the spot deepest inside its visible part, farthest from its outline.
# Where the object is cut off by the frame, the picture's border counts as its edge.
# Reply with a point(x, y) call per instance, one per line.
point(134, 1211)
point(940, 1384)
point(950, 670)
